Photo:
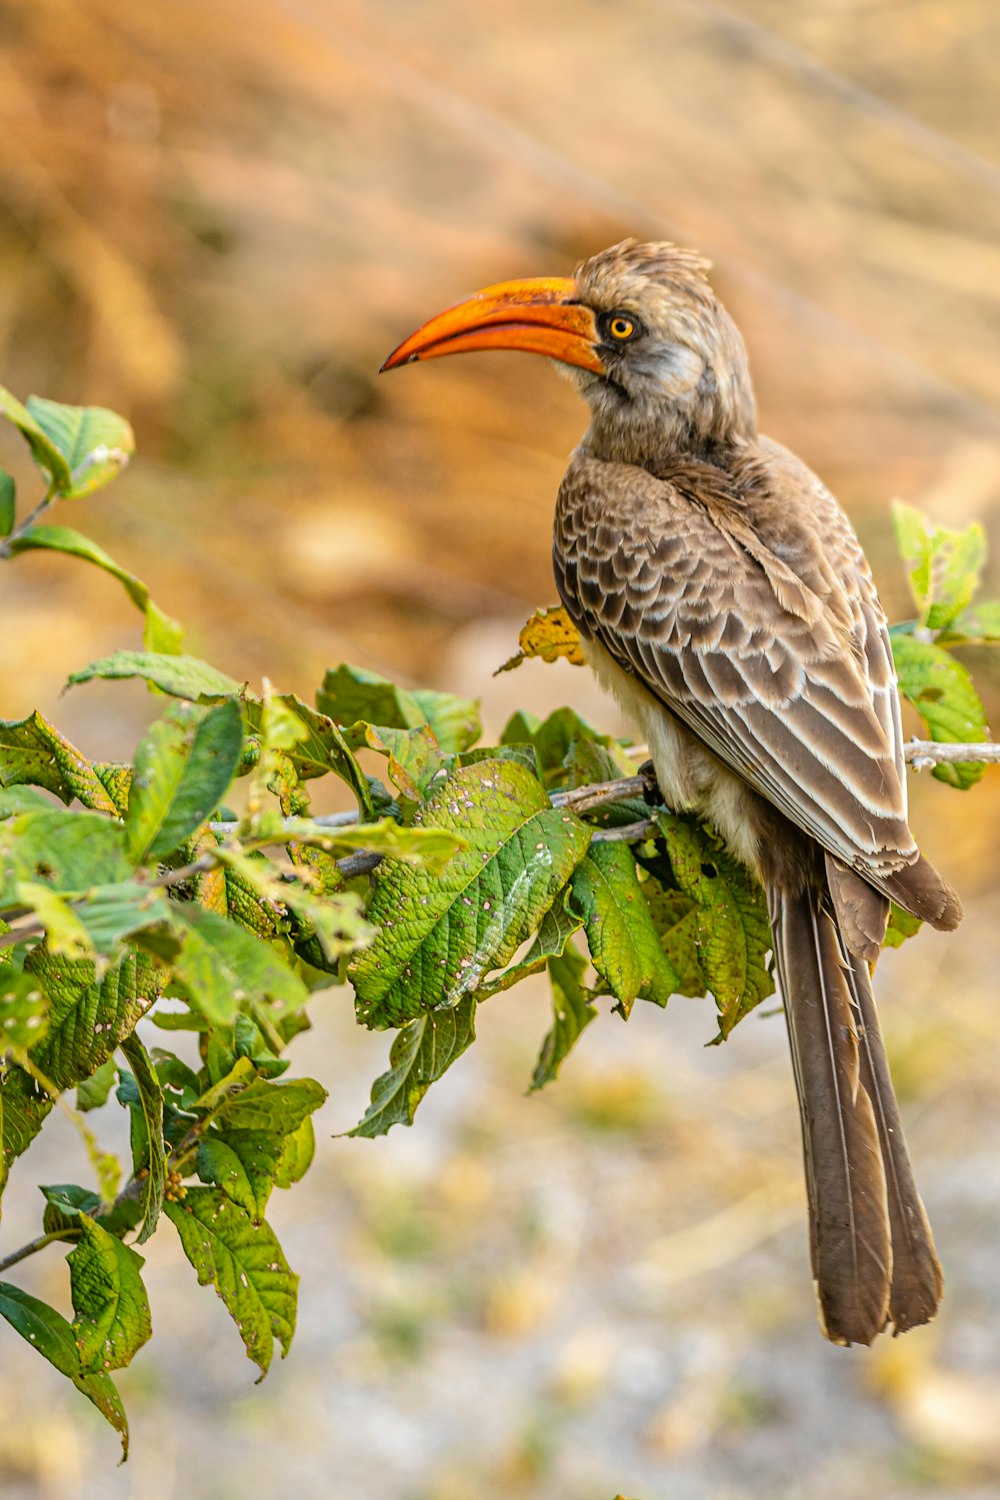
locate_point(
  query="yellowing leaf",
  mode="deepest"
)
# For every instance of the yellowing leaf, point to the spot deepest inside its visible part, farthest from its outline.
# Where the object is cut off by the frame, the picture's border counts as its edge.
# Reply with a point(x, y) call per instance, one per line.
point(549, 634)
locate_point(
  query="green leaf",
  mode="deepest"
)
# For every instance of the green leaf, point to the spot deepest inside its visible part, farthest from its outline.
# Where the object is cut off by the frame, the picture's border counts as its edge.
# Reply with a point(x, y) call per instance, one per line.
point(95, 443)
point(675, 917)
point(49, 1333)
point(319, 749)
point(453, 721)
point(337, 920)
point(431, 847)
point(942, 692)
point(67, 851)
point(945, 565)
point(245, 1264)
point(734, 934)
point(65, 1201)
point(415, 757)
point(902, 925)
point(350, 695)
point(421, 1053)
point(112, 1320)
point(24, 1010)
point(523, 755)
point(180, 676)
point(33, 752)
point(572, 1011)
point(978, 625)
point(441, 936)
point(913, 538)
point(221, 964)
point(87, 1019)
point(149, 1152)
point(64, 932)
point(558, 925)
point(43, 450)
point(162, 633)
point(8, 503)
point(297, 1152)
point(586, 761)
point(554, 737)
point(277, 1108)
point(244, 1168)
point(92, 1092)
point(623, 941)
point(127, 909)
point(183, 767)
point(18, 799)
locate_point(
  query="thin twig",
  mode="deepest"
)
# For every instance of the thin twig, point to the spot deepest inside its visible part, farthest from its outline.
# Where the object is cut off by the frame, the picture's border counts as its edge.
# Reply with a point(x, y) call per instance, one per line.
point(625, 833)
point(35, 1245)
point(596, 793)
point(923, 753)
point(48, 499)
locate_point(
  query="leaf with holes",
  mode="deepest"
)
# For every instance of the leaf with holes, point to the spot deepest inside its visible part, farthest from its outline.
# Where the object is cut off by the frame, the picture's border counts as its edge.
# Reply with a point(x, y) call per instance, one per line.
point(111, 1309)
point(734, 934)
point(33, 753)
point(549, 634)
point(48, 1332)
point(245, 1264)
point(623, 941)
point(440, 937)
point(420, 1055)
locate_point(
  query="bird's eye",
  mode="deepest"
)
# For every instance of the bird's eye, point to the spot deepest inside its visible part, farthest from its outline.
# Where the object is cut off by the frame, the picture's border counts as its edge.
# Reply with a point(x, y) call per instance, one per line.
point(619, 327)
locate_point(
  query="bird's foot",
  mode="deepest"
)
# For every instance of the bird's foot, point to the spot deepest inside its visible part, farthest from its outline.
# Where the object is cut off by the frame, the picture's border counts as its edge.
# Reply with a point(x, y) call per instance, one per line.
point(651, 794)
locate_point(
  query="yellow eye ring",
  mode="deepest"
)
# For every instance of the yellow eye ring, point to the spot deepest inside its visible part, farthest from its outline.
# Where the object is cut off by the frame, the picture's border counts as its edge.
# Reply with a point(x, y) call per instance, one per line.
point(621, 328)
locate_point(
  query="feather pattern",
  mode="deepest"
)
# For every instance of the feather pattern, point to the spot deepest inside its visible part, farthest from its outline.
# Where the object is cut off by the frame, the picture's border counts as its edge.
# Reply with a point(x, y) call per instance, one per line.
point(849, 1224)
point(740, 598)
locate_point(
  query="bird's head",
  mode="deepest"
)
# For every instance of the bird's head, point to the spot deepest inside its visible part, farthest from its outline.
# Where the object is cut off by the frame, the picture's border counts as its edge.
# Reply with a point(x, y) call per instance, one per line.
point(641, 333)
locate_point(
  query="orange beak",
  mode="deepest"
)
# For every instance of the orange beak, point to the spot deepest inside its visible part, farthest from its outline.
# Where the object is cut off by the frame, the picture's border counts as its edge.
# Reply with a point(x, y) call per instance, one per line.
point(541, 315)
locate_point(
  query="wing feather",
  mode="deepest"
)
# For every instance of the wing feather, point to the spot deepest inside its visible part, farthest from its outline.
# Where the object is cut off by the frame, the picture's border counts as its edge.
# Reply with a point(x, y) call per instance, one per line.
point(744, 603)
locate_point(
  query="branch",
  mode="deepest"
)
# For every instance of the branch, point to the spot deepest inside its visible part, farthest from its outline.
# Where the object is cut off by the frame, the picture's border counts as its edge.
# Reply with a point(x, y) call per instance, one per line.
point(35, 1245)
point(7, 546)
point(921, 754)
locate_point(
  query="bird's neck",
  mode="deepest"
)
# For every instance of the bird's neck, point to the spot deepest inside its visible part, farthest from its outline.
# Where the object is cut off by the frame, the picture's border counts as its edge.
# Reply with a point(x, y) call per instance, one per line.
point(699, 407)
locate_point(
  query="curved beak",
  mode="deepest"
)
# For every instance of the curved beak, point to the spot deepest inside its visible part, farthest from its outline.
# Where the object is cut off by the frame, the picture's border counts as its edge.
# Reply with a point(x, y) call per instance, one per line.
point(540, 315)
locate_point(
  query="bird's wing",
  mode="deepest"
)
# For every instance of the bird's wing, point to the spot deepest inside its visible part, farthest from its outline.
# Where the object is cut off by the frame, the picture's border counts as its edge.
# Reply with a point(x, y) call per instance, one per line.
point(764, 636)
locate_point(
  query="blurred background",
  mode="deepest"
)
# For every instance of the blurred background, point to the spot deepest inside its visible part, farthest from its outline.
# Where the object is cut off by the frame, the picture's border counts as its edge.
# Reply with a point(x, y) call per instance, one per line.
point(218, 217)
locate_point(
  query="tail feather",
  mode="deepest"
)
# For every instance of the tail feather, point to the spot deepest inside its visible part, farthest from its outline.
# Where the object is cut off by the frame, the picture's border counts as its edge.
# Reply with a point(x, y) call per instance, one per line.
point(872, 1253)
point(917, 1282)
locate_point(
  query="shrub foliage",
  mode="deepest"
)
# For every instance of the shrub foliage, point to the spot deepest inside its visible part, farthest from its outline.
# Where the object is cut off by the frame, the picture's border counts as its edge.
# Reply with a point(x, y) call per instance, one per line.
point(194, 891)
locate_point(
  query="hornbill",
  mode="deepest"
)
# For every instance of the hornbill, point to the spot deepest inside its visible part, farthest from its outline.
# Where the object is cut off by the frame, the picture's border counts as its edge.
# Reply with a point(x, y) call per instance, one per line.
point(723, 597)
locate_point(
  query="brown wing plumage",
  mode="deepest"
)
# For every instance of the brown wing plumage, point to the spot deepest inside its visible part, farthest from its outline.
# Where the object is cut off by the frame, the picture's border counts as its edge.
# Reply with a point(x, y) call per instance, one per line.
point(764, 637)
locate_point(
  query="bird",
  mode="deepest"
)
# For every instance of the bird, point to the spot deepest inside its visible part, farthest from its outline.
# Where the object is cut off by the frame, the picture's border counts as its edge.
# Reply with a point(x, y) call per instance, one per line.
point(722, 596)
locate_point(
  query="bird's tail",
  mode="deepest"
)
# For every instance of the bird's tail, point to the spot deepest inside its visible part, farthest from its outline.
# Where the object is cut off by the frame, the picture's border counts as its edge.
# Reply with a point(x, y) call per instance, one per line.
point(872, 1251)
